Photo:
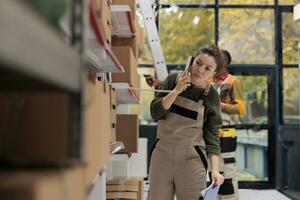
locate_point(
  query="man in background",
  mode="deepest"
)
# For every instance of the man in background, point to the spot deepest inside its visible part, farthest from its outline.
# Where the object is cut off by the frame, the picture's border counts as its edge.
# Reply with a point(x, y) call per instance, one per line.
point(232, 106)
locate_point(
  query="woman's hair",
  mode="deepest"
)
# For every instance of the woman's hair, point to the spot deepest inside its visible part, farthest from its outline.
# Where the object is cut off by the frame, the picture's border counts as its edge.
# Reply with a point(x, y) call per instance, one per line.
point(215, 52)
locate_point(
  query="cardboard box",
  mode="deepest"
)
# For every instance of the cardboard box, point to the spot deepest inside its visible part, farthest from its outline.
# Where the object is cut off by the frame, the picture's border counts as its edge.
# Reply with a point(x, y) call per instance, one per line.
point(129, 62)
point(97, 126)
point(122, 195)
point(130, 3)
point(114, 188)
point(35, 128)
point(66, 184)
point(128, 132)
point(127, 184)
point(122, 41)
point(136, 84)
point(113, 113)
point(103, 12)
point(106, 32)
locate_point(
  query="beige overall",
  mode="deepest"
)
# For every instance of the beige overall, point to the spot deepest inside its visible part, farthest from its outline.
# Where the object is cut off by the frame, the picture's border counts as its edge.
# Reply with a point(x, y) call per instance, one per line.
point(178, 161)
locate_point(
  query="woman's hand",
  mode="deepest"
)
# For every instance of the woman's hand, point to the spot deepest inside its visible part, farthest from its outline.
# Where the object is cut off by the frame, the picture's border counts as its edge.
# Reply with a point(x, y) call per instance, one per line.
point(217, 178)
point(183, 82)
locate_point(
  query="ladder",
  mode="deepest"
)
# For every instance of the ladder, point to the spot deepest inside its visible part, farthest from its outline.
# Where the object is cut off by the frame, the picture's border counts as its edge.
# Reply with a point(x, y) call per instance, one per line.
point(153, 39)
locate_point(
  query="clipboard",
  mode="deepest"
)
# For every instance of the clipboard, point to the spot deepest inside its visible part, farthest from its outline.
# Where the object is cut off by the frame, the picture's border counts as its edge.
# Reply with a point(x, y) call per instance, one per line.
point(211, 192)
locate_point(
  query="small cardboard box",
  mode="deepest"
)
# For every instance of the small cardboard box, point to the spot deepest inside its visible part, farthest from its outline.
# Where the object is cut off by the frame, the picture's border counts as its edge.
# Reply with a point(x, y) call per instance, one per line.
point(128, 132)
point(136, 84)
point(103, 12)
point(123, 41)
point(129, 62)
point(130, 3)
point(127, 184)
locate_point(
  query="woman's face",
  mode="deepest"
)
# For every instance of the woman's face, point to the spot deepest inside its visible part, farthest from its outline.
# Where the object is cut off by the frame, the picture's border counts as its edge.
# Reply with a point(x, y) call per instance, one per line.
point(203, 68)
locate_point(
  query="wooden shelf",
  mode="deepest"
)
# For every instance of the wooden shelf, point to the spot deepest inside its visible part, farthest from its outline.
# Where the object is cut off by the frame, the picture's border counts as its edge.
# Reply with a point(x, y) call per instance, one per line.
point(124, 94)
point(30, 47)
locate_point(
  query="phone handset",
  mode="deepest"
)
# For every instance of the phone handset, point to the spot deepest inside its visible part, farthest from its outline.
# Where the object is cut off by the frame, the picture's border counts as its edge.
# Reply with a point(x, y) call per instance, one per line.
point(188, 65)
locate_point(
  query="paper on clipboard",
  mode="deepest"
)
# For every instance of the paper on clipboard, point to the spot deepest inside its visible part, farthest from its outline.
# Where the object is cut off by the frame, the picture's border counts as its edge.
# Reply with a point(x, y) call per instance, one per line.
point(210, 193)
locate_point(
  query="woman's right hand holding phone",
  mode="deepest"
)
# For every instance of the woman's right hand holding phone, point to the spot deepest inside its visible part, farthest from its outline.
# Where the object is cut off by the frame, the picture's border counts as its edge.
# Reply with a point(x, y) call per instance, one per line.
point(183, 82)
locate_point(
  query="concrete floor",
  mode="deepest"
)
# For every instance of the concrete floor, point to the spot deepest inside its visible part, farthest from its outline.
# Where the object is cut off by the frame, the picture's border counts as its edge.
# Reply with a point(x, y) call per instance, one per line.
point(249, 194)
point(246, 194)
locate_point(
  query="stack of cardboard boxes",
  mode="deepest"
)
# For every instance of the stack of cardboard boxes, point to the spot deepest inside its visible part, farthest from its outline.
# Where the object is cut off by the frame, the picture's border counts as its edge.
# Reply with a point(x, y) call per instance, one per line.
point(36, 138)
point(98, 129)
point(59, 144)
point(38, 149)
point(125, 188)
point(128, 49)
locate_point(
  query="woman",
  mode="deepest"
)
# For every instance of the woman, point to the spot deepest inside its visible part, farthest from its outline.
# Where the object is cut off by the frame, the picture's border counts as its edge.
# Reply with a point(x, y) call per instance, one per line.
point(188, 123)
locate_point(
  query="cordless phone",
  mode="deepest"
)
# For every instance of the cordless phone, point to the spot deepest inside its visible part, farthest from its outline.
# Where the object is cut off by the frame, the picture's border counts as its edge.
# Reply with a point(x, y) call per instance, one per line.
point(188, 64)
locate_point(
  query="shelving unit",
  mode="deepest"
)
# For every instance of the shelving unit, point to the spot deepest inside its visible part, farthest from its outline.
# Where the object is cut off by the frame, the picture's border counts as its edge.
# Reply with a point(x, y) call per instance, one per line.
point(35, 57)
point(99, 183)
point(98, 55)
point(21, 42)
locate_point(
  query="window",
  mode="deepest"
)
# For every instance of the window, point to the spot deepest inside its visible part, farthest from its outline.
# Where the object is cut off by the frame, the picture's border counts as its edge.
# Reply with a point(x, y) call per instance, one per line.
point(252, 143)
point(291, 96)
point(146, 96)
point(183, 31)
point(258, 2)
point(290, 39)
point(248, 34)
point(288, 2)
point(256, 99)
point(146, 57)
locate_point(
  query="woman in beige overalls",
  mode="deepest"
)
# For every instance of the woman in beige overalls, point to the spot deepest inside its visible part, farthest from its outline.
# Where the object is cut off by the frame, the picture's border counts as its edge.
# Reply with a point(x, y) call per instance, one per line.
point(188, 123)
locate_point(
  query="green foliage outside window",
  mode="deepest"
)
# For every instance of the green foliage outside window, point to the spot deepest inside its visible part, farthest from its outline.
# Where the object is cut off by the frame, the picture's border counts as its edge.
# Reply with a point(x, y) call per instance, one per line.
point(183, 31)
point(248, 34)
point(291, 101)
point(288, 2)
point(290, 39)
point(257, 2)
